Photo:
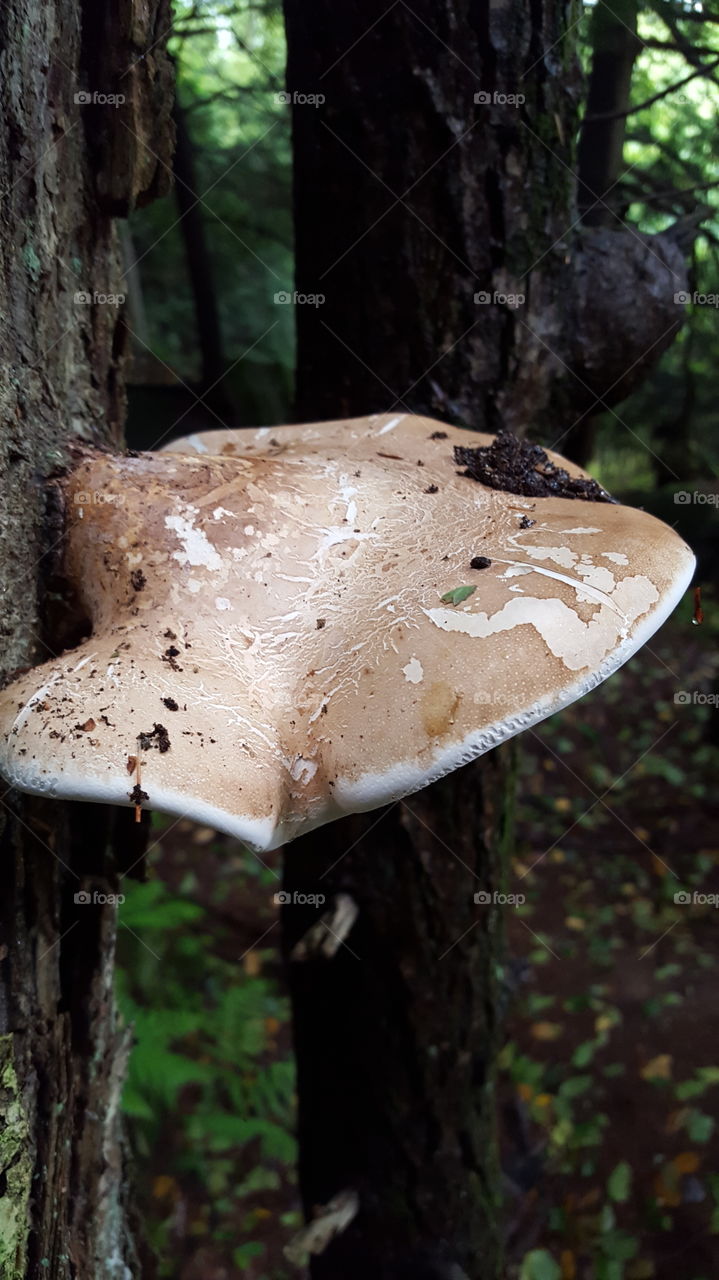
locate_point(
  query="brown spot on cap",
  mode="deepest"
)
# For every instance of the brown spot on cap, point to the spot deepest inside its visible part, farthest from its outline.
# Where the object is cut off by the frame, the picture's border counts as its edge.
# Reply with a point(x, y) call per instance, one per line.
point(439, 706)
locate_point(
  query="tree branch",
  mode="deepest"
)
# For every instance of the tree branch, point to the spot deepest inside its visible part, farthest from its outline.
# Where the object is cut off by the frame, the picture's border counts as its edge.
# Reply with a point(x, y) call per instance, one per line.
point(649, 102)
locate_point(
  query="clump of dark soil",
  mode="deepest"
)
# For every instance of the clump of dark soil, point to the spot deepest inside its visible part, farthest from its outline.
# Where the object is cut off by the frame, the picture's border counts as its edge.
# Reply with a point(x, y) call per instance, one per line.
point(516, 466)
point(170, 655)
point(158, 737)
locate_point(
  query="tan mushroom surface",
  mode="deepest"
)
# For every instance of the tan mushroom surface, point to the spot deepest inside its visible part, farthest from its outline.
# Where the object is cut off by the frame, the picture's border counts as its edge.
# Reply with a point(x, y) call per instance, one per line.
point(268, 635)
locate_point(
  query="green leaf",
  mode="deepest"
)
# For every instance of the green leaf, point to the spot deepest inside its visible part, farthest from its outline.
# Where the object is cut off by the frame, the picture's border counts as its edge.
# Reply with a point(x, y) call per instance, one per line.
point(574, 1087)
point(584, 1053)
point(457, 595)
point(619, 1182)
point(700, 1126)
point(539, 1265)
point(246, 1252)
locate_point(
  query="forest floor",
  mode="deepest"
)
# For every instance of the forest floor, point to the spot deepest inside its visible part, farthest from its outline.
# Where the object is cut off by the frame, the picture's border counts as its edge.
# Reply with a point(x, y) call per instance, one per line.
point(609, 1083)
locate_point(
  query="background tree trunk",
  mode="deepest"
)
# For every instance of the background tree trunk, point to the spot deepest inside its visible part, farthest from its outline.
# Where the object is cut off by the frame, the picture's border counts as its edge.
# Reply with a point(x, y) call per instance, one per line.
point(615, 47)
point(411, 197)
point(436, 182)
point(437, 178)
point(66, 167)
point(199, 269)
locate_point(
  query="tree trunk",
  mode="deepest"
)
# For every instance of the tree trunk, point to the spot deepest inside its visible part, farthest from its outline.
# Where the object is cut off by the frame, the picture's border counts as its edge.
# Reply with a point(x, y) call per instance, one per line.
point(436, 210)
point(66, 166)
point(615, 47)
point(200, 270)
point(396, 1034)
point(434, 204)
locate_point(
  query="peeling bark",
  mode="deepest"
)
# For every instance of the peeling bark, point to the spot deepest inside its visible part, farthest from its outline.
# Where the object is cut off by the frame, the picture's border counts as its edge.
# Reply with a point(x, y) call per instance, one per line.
point(63, 1194)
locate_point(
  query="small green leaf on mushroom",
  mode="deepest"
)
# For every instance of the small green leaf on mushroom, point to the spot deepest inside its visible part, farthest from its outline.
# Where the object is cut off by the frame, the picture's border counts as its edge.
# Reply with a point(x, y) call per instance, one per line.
point(457, 595)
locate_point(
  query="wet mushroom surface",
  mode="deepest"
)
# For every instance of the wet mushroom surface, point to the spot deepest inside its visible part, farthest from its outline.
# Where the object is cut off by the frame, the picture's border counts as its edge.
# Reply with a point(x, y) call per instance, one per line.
point(292, 623)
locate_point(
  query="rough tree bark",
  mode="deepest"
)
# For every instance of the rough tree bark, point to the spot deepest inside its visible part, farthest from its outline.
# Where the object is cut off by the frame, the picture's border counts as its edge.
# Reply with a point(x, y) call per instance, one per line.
point(68, 165)
point(425, 192)
point(403, 178)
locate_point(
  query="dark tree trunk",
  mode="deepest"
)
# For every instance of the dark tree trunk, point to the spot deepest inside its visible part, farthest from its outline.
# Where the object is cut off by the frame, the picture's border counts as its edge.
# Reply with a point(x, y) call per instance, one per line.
point(615, 46)
point(437, 181)
point(418, 208)
point(396, 1034)
point(66, 167)
point(199, 268)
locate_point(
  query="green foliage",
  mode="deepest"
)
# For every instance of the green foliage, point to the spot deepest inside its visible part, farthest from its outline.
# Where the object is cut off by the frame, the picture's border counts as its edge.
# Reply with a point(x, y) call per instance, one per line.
point(539, 1265)
point(620, 1182)
point(202, 1067)
point(671, 171)
point(230, 70)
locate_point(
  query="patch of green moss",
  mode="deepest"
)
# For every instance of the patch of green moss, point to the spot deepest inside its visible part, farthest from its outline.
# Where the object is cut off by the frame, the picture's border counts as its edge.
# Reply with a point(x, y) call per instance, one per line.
point(15, 1165)
point(33, 264)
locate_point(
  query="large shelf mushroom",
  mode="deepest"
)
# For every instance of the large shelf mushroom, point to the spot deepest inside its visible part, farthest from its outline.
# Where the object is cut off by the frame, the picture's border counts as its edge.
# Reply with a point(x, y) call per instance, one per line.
point(294, 623)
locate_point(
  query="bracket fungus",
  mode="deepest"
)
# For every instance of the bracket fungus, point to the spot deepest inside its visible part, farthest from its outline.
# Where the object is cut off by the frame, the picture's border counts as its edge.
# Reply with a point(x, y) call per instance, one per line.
point(290, 624)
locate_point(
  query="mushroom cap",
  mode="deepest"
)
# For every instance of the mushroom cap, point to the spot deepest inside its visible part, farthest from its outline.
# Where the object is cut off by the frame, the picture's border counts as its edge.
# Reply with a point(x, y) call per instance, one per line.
point(269, 635)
